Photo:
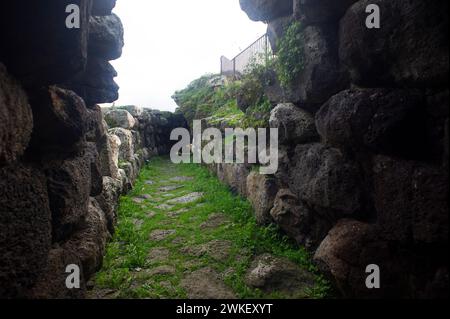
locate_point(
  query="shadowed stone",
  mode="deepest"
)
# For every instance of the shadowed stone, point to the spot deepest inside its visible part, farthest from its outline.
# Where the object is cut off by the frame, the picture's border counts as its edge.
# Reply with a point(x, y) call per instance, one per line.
point(138, 200)
point(151, 214)
point(138, 223)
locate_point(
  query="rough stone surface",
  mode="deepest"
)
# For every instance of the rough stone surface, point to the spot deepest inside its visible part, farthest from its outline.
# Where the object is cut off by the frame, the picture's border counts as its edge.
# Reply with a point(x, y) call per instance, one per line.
point(234, 175)
point(261, 190)
point(326, 180)
point(69, 188)
point(276, 30)
point(103, 7)
point(120, 118)
point(96, 85)
point(126, 149)
point(159, 234)
point(294, 124)
point(216, 249)
point(298, 220)
point(25, 228)
point(90, 240)
point(206, 284)
point(344, 240)
point(381, 120)
point(266, 10)
point(65, 51)
point(108, 200)
point(15, 116)
point(109, 155)
point(59, 120)
point(411, 201)
point(215, 220)
point(190, 198)
point(320, 11)
point(270, 273)
point(52, 285)
point(396, 54)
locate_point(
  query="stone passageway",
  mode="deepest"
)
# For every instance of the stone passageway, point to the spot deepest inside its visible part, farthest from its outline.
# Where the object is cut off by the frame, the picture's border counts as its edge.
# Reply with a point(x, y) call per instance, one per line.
point(182, 234)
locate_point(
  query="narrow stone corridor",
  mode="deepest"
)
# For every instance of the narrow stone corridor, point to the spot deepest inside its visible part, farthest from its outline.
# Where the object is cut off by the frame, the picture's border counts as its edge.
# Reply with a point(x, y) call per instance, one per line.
point(182, 234)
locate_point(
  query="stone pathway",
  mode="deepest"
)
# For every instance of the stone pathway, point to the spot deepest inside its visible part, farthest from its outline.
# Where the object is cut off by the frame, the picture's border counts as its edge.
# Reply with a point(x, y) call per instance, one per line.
point(178, 239)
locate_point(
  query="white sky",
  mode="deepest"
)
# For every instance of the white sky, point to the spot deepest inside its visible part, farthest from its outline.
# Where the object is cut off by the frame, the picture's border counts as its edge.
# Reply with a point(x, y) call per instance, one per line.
point(169, 43)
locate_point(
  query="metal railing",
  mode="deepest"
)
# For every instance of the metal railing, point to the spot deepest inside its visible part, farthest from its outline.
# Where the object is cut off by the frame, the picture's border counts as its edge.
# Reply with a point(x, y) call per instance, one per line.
point(258, 52)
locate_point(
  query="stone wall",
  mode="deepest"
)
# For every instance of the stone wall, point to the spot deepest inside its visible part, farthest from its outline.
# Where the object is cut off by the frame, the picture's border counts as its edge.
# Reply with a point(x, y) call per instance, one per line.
point(62, 168)
point(363, 175)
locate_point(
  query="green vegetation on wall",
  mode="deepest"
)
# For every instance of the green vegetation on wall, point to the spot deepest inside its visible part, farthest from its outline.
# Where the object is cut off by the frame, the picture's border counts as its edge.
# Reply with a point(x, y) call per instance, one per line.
point(243, 102)
point(290, 55)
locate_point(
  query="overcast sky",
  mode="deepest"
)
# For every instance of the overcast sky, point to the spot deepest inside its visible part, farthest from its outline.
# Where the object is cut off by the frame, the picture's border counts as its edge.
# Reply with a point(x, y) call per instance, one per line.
point(172, 42)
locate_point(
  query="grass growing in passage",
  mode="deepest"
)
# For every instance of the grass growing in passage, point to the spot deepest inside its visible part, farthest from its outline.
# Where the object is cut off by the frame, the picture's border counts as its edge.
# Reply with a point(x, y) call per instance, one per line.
point(124, 270)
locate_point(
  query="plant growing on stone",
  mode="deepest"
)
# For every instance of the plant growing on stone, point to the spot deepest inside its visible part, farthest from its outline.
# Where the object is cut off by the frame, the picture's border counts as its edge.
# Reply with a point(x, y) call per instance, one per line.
point(290, 55)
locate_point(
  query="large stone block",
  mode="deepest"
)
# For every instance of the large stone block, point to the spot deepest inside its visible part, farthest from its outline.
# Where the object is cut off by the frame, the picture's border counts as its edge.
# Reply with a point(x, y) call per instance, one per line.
point(89, 242)
point(321, 75)
point(25, 228)
point(399, 53)
point(320, 11)
point(103, 7)
point(96, 85)
point(109, 155)
point(411, 200)
point(15, 117)
point(126, 149)
point(381, 120)
point(235, 176)
point(261, 192)
point(52, 283)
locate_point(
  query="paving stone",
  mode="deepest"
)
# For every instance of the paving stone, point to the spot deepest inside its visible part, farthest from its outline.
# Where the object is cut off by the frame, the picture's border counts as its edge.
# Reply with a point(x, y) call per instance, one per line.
point(161, 234)
point(205, 283)
point(158, 254)
point(186, 199)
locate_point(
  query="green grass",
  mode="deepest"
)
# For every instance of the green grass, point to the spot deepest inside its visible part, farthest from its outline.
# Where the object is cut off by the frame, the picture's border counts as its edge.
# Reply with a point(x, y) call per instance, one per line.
point(130, 246)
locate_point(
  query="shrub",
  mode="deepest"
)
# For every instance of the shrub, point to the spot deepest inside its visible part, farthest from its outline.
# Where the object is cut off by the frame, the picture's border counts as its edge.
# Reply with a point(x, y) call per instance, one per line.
point(290, 56)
